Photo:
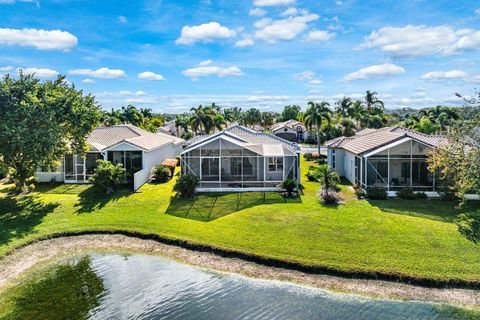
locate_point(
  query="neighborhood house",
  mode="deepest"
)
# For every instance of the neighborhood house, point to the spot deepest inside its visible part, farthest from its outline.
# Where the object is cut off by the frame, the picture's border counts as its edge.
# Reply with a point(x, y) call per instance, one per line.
point(134, 148)
point(291, 130)
point(391, 157)
point(241, 159)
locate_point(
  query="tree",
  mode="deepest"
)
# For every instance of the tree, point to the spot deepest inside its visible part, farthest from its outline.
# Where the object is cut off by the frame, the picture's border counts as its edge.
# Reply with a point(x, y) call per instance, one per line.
point(41, 122)
point(290, 112)
point(314, 116)
point(108, 176)
point(202, 119)
point(146, 112)
point(132, 115)
point(328, 177)
point(232, 114)
point(344, 106)
point(373, 106)
point(268, 118)
point(252, 117)
point(219, 121)
point(347, 126)
point(425, 125)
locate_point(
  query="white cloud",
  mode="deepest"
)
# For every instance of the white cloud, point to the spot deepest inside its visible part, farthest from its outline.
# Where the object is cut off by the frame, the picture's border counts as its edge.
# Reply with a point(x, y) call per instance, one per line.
point(414, 41)
point(88, 80)
point(315, 81)
point(148, 75)
point(477, 11)
point(37, 38)
point(284, 29)
point(244, 43)
point(7, 69)
point(205, 63)
point(289, 12)
point(102, 73)
point(15, 1)
point(211, 70)
point(40, 72)
point(304, 76)
point(338, 3)
point(375, 71)
point(445, 75)
point(207, 32)
point(122, 19)
point(319, 35)
point(262, 22)
point(266, 3)
point(257, 12)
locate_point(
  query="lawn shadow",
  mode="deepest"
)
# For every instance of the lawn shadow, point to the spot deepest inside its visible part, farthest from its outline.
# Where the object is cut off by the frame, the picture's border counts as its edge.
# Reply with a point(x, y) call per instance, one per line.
point(469, 225)
point(20, 214)
point(92, 198)
point(434, 209)
point(211, 206)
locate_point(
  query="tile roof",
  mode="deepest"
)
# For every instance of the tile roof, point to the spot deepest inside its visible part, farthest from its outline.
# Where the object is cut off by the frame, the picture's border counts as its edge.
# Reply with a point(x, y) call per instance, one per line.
point(262, 143)
point(292, 124)
point(370, 139)
point(104, 137)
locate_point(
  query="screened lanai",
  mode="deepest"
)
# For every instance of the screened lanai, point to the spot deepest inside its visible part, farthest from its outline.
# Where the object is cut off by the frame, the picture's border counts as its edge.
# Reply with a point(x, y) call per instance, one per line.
point(229, 164)
point(398, 165)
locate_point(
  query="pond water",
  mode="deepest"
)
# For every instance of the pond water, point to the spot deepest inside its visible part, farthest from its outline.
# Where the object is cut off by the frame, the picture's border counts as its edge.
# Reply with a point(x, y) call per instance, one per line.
point(115, 286)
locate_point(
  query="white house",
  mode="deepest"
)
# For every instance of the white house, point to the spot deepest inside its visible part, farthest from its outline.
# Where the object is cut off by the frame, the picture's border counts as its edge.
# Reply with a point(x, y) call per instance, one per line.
point(136, 149)
point(291, 130)
point(241, 159)
point(391, 157)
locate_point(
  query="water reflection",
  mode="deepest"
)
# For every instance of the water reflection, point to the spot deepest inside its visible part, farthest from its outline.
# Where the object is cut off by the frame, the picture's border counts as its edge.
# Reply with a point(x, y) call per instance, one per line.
point(145, 287)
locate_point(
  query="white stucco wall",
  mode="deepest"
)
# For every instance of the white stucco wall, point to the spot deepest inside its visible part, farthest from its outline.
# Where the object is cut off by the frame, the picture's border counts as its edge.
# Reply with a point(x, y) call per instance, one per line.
point(349, 166)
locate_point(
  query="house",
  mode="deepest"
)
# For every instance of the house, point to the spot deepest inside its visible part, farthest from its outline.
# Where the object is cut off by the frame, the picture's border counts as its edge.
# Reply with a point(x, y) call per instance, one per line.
point(291, 130)
point(241, 159)
point(391, 157)
point(136, 149)
point(170, 128)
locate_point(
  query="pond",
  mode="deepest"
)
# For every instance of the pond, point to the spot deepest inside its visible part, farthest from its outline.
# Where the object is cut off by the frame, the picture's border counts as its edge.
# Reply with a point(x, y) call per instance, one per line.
point(117, 286)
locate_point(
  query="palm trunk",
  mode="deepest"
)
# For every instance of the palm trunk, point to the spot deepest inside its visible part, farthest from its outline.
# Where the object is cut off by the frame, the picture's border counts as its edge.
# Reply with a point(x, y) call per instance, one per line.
point(318, 141)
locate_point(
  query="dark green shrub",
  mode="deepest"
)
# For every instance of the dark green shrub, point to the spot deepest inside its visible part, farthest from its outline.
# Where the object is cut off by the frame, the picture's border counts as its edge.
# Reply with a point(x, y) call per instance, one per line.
point(421, 196)
point(161, 174)
point(313, 175)
point(308, 156)
point(376, 193)
point(448, 194)
point(3, 170)
point(406, 194)
point(289, 185)
point(108, 176)
point(186, 185)
point(359, 191)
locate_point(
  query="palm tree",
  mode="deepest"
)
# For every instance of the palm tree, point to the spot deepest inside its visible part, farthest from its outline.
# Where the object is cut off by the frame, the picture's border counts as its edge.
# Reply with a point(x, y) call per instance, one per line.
point(373, 105)
point(347, 125)
point(202, 119)
point(314, 116)
point(344, 106)
point(181, 122)
point(132, 115)
point(219, 121)
point(328, 177)
point(146, 112)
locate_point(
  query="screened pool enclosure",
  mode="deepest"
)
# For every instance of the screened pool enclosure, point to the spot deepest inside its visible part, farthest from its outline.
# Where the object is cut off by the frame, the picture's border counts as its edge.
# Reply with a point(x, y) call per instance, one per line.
point(228, 164)
point(399, 165)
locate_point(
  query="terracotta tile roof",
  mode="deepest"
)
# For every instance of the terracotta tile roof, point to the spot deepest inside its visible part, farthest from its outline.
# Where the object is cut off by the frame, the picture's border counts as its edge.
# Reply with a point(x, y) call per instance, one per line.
point(370, 139)
point(104, 137)
point(292, 124)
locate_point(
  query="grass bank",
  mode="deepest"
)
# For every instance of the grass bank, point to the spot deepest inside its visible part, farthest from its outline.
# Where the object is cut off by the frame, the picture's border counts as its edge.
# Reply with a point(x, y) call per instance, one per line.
point(393, 238)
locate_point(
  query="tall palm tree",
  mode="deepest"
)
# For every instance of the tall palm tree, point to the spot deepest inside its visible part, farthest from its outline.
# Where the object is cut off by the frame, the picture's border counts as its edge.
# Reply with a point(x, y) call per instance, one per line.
point(314, 116)
point(181, 122)
point(202, 119)
point(344, 106)
point(219, 121)
point(373, 105)
point(146, 112)
point(347, 125)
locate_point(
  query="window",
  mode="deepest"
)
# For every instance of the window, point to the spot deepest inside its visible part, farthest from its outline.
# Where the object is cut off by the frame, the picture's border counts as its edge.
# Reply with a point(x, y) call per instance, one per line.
point(275, 164)
point(333, 159)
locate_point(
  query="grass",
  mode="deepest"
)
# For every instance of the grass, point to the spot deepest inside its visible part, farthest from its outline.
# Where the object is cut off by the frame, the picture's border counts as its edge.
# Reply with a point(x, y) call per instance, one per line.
point(401, 238)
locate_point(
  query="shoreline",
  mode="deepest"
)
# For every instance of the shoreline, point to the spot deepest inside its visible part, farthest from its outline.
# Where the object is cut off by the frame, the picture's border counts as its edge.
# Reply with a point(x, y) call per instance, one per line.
point(23, 259)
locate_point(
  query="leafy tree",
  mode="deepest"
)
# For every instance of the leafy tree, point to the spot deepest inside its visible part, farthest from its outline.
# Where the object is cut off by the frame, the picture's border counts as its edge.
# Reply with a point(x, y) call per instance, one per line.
point(458, 161)
point(290, 112)
point(314, 116)
point(425, 125)
point(41, 122)
point(108, 176)
point(252, 117)
point(268, 118)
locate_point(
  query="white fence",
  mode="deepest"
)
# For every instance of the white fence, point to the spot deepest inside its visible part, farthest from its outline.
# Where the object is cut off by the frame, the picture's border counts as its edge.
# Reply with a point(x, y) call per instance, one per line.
point(140, 178)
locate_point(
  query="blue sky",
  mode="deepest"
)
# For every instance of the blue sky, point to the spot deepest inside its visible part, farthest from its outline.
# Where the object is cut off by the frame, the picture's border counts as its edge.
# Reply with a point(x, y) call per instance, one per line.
point(171, 55)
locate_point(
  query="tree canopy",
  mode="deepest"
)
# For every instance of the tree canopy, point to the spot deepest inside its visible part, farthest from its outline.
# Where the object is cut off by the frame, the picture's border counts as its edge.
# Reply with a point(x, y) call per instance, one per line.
point(40, 122)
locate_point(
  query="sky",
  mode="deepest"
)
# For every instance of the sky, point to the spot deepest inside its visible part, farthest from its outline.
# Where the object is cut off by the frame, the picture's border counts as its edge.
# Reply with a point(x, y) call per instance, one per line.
point(173, 55)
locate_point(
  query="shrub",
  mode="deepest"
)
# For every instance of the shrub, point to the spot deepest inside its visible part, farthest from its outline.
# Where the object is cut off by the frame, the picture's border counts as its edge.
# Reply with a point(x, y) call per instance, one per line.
point(448, 194)
point(359, 191)
point(312, 175)
point(308, 156)
point(330, 198)
point(421, 195)
point(289, 185)
point(376, 193)
point(161, 173)
point(171, 164)
point(3, 170)
point(406, 194)
point(186, 185)
point(108, 176)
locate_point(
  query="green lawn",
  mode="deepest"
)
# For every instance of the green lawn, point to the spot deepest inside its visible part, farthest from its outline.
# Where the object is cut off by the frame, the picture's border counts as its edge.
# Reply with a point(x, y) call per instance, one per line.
point(412, 238)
